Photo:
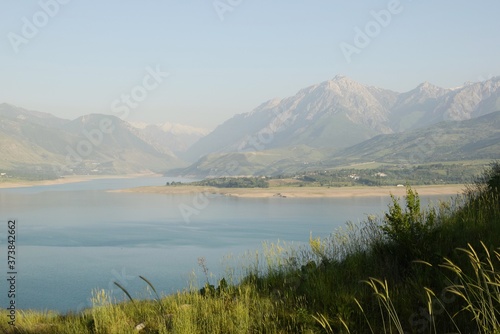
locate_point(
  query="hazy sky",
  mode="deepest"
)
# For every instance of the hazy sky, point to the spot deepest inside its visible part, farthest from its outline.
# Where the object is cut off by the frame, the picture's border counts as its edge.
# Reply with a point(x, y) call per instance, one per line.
point(74, 57)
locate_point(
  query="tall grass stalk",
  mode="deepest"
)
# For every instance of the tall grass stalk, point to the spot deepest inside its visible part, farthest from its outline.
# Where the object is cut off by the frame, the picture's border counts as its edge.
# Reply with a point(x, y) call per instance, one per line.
point(480, 292)
point(108, 318)
point(388, 313)
point(325, 324)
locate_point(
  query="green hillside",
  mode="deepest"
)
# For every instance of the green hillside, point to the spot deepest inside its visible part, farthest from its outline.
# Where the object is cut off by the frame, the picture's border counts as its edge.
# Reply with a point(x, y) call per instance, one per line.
point(36, 146)
point(268, 162)
point(446, 142)
point(474, 139)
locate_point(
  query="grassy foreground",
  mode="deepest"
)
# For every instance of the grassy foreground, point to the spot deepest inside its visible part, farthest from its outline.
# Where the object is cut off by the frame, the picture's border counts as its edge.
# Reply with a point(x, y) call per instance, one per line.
point(415, 270)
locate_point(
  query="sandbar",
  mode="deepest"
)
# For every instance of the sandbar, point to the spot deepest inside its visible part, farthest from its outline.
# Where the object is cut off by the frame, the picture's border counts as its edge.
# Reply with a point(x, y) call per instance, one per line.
point(301, 192)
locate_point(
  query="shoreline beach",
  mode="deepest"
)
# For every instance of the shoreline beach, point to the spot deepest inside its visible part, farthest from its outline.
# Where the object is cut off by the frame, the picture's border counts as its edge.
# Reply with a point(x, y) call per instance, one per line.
point(276, 191)
point(67, 180)
point(301, 192)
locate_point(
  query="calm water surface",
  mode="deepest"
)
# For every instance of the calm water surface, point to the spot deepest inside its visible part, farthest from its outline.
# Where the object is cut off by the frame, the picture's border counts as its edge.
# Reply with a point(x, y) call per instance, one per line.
point(74, 238)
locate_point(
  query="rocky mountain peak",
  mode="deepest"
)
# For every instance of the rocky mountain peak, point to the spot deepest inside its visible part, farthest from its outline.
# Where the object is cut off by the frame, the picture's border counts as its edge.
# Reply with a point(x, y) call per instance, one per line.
point(426, 86)
point(342, 111)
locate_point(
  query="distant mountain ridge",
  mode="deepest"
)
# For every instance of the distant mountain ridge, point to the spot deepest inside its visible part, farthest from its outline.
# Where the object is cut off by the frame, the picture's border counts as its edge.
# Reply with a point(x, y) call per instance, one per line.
point(473, 139)
point(170, 138)
point(338, 113)
point(37, 117)
point(32, 142)
point(320, 124)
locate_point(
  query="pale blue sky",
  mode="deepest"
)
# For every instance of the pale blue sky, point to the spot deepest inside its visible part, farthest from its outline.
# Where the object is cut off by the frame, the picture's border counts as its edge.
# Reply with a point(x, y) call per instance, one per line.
point(91, 52)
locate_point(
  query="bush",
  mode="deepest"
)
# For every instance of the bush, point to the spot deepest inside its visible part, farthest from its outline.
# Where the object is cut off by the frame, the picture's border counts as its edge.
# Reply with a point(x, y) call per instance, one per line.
point(409, 228)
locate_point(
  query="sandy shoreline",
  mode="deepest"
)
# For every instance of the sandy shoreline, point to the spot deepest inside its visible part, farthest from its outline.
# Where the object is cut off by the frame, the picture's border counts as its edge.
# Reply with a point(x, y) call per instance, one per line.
point(68, 179)
point(301, 192)
point(281, 191)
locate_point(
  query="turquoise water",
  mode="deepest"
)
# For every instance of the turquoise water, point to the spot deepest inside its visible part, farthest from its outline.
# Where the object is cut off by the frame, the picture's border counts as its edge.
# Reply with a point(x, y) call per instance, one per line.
point(74, 238)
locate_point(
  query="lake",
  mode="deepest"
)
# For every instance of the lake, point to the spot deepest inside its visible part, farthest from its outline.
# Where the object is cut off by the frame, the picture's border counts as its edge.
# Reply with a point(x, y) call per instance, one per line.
point(74, 238)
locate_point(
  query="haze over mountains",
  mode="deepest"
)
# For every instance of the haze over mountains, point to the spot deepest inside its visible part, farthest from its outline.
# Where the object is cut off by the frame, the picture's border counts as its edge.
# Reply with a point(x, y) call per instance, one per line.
point(316, 125)
point(34, 143)
point(169, 138)
point(322, 125)
point(342, 112)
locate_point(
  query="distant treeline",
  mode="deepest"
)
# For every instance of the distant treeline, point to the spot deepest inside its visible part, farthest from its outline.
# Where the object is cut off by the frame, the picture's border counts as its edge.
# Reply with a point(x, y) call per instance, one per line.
point(234, 182)
point(28, 173)
point(388, 175)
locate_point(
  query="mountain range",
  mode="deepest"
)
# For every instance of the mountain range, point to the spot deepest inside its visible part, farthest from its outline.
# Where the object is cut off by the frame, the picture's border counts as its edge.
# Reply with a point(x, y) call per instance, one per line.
point(341, 112)
point(35, 143)
point(321, 121)
point(169, 138)
point(339, 121)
